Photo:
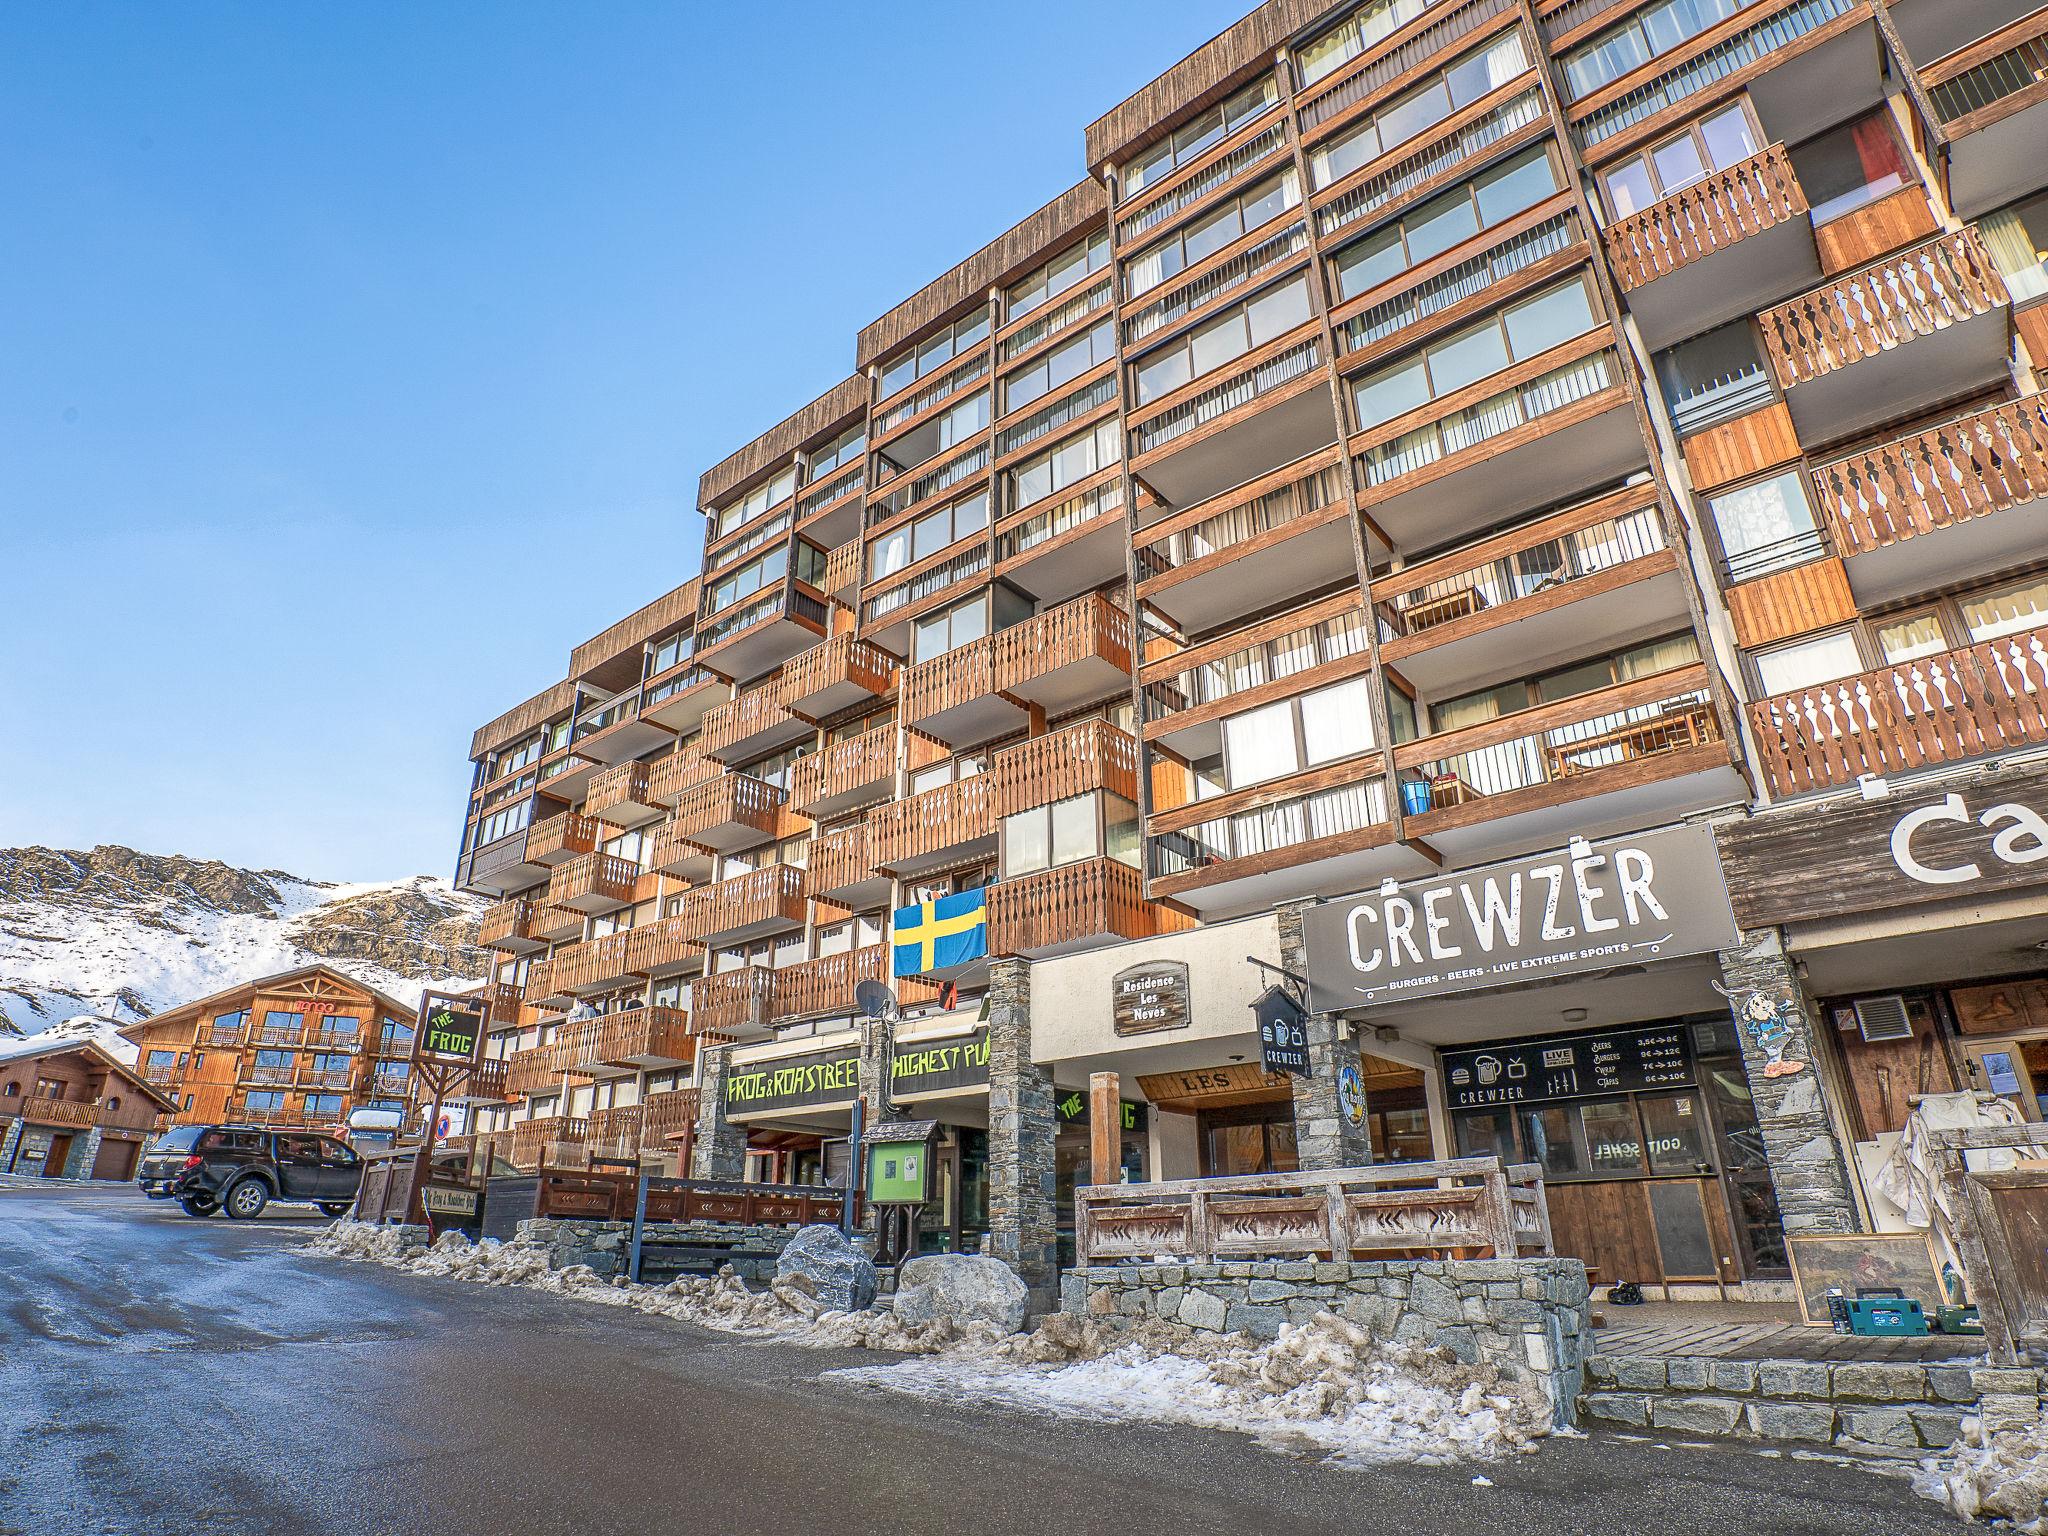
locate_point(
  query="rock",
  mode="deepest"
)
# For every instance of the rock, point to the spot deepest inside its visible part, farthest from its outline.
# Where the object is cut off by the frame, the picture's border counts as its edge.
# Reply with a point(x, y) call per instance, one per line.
point(1199, 1309)
point(1619, 1407)
point(1792, 1421)
point(821, 1261)
point(1696, 1415)
point(962, 1288)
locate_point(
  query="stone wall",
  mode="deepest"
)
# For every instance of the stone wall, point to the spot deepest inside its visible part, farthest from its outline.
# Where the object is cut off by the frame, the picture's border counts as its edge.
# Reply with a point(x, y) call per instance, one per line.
point(1529, 1317)
point(1324, 1137)
point(607, 1246)
point(1022, 1129)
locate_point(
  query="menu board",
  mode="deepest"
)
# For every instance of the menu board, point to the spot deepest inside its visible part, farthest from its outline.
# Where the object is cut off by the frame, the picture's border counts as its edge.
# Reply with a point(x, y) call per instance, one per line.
point(1568, 1067)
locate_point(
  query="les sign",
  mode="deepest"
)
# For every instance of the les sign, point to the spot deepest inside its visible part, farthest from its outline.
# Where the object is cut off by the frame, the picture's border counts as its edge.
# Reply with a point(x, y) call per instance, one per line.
point(449, 1033)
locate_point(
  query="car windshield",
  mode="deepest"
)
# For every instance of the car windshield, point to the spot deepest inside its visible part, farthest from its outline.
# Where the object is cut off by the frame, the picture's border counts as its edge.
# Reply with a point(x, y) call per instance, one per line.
point(181, 1138)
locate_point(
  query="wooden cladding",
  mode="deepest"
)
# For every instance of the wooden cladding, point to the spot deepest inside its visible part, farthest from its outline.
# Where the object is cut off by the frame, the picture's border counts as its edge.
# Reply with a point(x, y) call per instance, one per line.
point(1792, 602)
point(1875, 229)
point(1712, 214)
point(1735, 450)
point(1977, 464)
point(933, 823)
point(1076, 761)
point(733, 799)
point(560, 837)
point(828, 414)
point(1092, 900)
point(1945, 708)
point(1091, 627)
point(666, 612)
point(557, 699)
point(1917, 292)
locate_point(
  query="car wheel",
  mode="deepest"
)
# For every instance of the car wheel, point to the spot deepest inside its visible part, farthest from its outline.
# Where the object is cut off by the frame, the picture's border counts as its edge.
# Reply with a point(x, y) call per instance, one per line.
point(335, 1208)
point(246, 1200)
point(199, 1205)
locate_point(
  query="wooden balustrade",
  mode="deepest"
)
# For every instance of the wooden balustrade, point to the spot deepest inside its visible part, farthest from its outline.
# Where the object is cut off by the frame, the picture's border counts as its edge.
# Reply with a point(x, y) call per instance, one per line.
point(859, 764)
point(1076, 761)
point(842, 571)
point(1984, 462)
point(561, 837)
point(773, 894)
point(502, 1001)
point(960, 676)
point(668, 777)
point(623, 787)
point(733, 800)
point(40, 1109)
point(826, 984)
point(727, 1002)
point(1442, 1209)
point(1075, 903)
point(594, 882)
point(1090, 628)
point(666, 1115)
point(615, 1132)
point(839, 859)
point(594, 963)
point(535, 1142)
point(744, 716)
point(668, 943)
point(534, 1071)
point(642, 1034)
point(941, 819)
point(486, 1082)
point(1912, 293)
point(838, 662)
point(1949, 707)
point(506, 925)
point(1712, 214)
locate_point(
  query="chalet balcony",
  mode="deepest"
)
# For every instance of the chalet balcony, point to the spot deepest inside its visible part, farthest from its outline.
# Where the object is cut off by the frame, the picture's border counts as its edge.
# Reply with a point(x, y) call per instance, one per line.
point(596, 965)
point(551, 1141)
point(595, 883)
point(543, 985)
point(729, 813)
point(848, 773)
point(1950, 707)
point(752, 638)
point(733, 1004)
point(1991, 98)
point(272, 1077)
point(218, 1038)
point(1269, 408)
point(556, 924)
point(950, 824)
point(615, 1133)
point(502, 1001)
point(41, 1109)
point(1630, 754)
point(1066, 656)
point(619, 797)
point(509, 926)
point(536, 1070)
point(1079, 760)
point(1924, 324)
point(1919, 511)
point(1724, 246)
point(680, 700)
point(954, 699)
point(1521, 601)
point(1065, 545)
point(668, 853)
point(842, 573)
point(333, 1038)
point(1244, 552)
point(615, 731)
point(668, 778)
point(754, 722)
point(644, 1039)
point(1075, 907)
point(1538, 433)
point(668, 1117)
point(766, 901)
point(483, 1083)
point(668, 945)
point(837, 675)
point(840, 870)
point(827, 984)
point(562, 838)
point(325, 1082)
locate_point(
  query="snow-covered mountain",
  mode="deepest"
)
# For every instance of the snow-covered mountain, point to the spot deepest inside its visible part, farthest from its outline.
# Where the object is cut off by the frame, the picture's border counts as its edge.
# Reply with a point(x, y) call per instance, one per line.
point(119, 934)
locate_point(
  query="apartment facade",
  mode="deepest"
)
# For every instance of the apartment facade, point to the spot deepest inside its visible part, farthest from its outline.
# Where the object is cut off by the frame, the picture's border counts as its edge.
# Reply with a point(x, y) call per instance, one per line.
point(70, 1110)
point(1438, 448)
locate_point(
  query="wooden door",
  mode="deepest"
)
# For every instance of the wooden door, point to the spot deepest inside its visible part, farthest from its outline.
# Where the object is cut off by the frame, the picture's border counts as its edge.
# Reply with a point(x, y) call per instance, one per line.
point(116, 1160)
point(60, 1154)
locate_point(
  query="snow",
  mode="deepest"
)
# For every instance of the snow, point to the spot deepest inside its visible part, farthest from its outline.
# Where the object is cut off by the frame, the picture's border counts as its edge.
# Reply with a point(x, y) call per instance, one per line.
point(1324, 1387)
point(1992, 1477)
point(83, 1030)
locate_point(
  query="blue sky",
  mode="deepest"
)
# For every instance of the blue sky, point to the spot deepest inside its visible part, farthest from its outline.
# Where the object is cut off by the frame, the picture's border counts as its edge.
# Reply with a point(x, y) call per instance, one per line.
point(341, 341)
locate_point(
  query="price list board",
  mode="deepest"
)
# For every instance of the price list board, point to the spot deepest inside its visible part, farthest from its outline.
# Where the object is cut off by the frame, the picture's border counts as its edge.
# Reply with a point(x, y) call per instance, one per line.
point(1568, 1067)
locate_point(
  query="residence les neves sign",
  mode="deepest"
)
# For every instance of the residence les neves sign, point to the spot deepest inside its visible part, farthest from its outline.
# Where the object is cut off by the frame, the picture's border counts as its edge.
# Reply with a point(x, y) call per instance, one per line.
point(1627, 900)
point(1152, 997)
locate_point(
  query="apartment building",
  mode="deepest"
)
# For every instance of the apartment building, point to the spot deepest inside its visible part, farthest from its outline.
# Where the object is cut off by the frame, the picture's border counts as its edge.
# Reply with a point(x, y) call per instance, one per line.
point(1438, 449)
point(70, 1110)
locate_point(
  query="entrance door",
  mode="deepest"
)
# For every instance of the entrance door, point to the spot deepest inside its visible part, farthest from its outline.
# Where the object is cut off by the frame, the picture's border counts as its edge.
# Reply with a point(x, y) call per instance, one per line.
point(60, 1154)
point(1252, 1138)
point(2012, 1069)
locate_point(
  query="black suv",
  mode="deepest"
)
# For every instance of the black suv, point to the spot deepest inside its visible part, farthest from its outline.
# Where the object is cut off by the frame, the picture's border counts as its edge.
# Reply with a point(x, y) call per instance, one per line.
point(242, 1168)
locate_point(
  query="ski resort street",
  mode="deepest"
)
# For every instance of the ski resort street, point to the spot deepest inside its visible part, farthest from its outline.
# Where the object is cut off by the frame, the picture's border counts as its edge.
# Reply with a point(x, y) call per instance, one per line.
point(165, 1375)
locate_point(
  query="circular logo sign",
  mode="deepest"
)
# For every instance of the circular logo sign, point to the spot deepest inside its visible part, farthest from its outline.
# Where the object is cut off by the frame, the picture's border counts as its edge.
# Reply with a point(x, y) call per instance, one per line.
point(1351, 1095)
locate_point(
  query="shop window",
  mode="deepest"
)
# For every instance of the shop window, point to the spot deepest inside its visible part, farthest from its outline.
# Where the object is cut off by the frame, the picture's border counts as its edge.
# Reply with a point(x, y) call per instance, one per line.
point(1850, 166)
point(1673, 1133)
point(1551, 1132)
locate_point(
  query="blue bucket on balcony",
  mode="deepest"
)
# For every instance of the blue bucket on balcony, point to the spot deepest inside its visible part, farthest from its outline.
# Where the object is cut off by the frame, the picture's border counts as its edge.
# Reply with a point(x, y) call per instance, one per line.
point(1414, 797)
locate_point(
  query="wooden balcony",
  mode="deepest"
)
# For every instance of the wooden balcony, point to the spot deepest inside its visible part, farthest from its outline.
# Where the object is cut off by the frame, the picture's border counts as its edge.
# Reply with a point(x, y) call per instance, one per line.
point(840, 869)
point(542, 990)
point(753, 721)
point(681, 700)
point(556, 925)
point(729, 813)
point(849, 772)
point(837, 675)
point(1073, 907)
point(509, 926)
point(40, 1109)
point(732, 1003)
point(826, 984)
point(765, 901)
point(1067, 656)
point(1923, 324)
point(668, 944)
point(669, 853)
point(543, 1142)
point(644, 1038)
point(537, 1070)
point(561, 838)
point(668, 1116)
point(1950, 707)
point(596, 965)
point(754, 637)
point(325, 1082)
point(921, 832)
point(670, 777)
point(502, 1001)
point(1881, 502)
point(619, 797)
point(484, 1083)
point(615, 1132)
point(842, 573)
point(594, 883)
point(1739, 236)
point(1076, 761)
point(953, 697)
point(1991, 99)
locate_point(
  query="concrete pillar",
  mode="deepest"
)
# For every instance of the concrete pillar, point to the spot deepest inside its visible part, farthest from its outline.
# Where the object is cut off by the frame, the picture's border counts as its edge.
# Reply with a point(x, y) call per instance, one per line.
point(1325, 1137)
point(1779, 1026)
point(721, 1147)
point(1022, 1126)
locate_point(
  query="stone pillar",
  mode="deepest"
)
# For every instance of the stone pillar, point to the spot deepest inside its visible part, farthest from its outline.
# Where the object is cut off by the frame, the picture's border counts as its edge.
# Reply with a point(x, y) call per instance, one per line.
point(10, 1138)
point(1022, 1125)
point(84, 1156)
point(1807, 1148)
point(875, 1043)
point(721, 1147)
point(1324, 1136)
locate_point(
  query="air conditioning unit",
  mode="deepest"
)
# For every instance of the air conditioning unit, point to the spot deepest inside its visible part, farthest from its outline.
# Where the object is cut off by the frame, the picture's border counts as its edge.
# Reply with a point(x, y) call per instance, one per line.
point(1883, 1018)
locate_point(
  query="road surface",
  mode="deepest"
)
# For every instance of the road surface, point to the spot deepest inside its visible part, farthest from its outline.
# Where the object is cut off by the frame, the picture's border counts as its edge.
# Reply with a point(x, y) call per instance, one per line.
point(193, 1378)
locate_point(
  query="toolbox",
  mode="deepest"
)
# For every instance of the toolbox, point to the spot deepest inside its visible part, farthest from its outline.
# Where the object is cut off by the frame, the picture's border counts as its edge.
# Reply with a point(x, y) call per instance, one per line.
point(1877, 1316)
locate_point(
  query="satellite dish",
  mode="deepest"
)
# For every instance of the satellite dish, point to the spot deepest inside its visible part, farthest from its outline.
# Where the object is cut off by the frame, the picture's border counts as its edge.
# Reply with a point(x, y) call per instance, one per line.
point(875, 1000)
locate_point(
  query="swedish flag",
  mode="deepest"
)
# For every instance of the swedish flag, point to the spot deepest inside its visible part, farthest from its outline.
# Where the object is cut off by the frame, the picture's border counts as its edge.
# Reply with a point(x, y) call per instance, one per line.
point(937, 935)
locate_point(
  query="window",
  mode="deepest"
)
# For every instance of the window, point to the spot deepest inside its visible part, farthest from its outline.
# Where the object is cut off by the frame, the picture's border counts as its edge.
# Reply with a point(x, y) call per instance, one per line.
point(1063, 364)
point(756, 501)
point(1817, 659)
point(750, 578)
point(672, 652)
point(836, 455)
point(953, 769)
point(332, 1063)
point(1064, 465)
point(1420, 109)
point(1192, 138)
point(1713, 378)
point(275, 1061)
point(323, 1103)
point(2006, 611)
point(161, 1061)
point(900, 548)
point(1635, 42)
point(1713, 143)
point(227, 1021)
point(937, 633)
point(341, 1025)
point(1464, 357)
point(395, 1036)
point(1216, 342)
point(1854, 164)
point(1209, 233)
point(265, 1099)
point(1766, 526)
point(1353, 35)
point(1065, 832)
point(1645, 660)
point(2017, 238)
point(1444, 221)
point(1058, 275)
point(503, 823)
point(1284, 738)
point(1911, 638)
point(775, 769)
point(934, 353)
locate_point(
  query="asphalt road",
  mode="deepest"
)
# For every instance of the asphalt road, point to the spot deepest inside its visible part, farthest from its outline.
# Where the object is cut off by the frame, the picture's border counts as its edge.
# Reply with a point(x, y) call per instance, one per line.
point(190, 1378)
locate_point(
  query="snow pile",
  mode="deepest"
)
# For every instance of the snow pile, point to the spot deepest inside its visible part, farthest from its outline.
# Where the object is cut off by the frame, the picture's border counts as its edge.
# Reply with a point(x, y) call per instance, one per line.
point(83, 1030)
point(1992, 1477)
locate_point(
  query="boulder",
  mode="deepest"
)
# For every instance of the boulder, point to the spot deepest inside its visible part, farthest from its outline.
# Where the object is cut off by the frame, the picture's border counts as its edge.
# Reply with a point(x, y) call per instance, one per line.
point(822, 1263)
point(961, 1288)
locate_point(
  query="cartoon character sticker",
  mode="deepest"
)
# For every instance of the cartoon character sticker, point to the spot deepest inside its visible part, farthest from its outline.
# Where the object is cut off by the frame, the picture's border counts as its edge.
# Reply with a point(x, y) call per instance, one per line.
point(1351, 1094)
point(1768, 1019)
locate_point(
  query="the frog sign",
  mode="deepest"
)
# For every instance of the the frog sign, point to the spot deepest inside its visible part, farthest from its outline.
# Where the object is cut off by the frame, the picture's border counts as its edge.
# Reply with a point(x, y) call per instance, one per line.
point(1768, 1018)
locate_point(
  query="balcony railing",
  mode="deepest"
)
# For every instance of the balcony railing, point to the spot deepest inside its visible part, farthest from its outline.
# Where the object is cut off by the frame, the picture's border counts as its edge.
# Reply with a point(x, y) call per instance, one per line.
point(947, 573)
point(1272, 826)
point(594, 964)
point(1074, 904)
point(40, 1109)
point(326, 1080)
point(1949, 707)
point(1221, 280)
point(839, 663)
point(1912, 293)
point(322, 1038)
point(506, 925)
point(842, 571)
point(1208, 675)
point(1187, 193)
point(1089, 628)
point(1065, 515)
point(727, 1002)
point(669, 777)
point(1425, 167)
point(665, 1115)
point(935, 822)
point(733, 800)
point(1263, 378)
point(839, 860)
point(220, 1039)
point(538, 1143)
point(745, 716)
point(1523, 405)
point(595, 882)
point(859, 765)
point(772, 897)
point(615, 1132)
point(960, 676)
point(1629, 723)
point(1984, 462)
point(502, 1001)
point(281, 1077)
point(561, 837)
point(1969, 83)
point(1079, 760)
point(160, 1077)
point(1712, 214)
point(670, 943)
point(623, 787)
point(670, 853)
point(538, 1069)
point(642, 1035)
point(1512, 253)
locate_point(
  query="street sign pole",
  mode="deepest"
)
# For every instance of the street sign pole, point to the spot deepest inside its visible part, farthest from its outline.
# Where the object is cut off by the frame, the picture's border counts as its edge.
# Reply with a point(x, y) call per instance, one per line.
point(853, 1179)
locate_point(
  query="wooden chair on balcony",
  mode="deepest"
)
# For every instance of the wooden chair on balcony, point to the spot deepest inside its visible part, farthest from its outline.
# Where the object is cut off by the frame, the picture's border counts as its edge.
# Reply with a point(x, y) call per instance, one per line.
point(1441, 610)
point(1447, 789)
point(1674, 730)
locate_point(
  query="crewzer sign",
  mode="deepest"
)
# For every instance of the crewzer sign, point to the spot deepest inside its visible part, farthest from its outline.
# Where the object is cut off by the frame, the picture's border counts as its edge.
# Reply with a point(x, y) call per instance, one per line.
point(449, 1033)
